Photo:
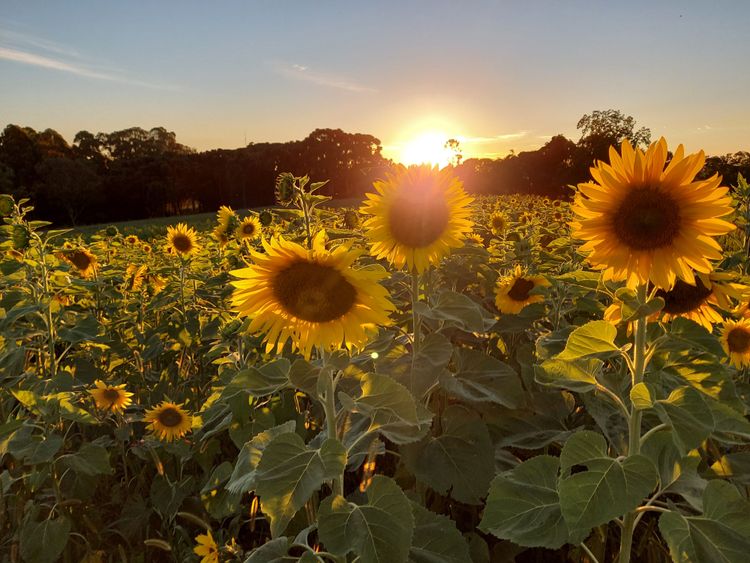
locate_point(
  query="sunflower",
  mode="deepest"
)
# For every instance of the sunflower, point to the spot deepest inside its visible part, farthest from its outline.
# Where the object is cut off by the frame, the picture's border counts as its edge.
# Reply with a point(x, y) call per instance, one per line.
point(418, 215)
point(111, 397)
point(206, 548)
point(82, 260)
point(476, 238)
point(220, 234)
point(226, 218)
point(146, 248)
point(498, 223)
point(134, 277)
point(698, 302)
point(513, 292)
point(183, 240)
point(157, 283)
point(169, 421)
point(735, 339)
point(131, 239)
point(313, 297)
point(642, 221)
point(249, 228)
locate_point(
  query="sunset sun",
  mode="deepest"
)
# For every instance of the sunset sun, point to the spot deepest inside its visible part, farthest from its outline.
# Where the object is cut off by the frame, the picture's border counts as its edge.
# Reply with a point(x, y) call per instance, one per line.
point(426, 148)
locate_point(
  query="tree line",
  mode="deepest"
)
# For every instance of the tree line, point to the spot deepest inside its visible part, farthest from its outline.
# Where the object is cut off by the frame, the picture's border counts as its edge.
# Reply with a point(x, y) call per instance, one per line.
point(137, 173)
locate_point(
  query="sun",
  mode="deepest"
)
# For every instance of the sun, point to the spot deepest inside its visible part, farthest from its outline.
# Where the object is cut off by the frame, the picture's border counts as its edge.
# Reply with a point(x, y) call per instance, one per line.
point(426, 148)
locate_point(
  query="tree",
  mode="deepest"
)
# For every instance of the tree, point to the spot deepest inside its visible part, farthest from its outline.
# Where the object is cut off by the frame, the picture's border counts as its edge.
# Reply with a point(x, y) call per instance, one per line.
point(454, 147)
point(66, 190)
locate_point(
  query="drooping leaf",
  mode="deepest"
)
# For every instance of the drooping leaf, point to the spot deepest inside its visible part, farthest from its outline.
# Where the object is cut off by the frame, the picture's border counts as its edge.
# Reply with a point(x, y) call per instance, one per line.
point(243, 477)
point(418, 373)
point(436, 539)
point(458, 310)
point(91, 460)
point(482, 378)
point(593, 338)
point(721, 533)
point(523, 505)
point(686, 411)
point(390, 407)
point(377, 532)
point(576, 375)
point(289, 473)
point(261, 381)
point(459, 461)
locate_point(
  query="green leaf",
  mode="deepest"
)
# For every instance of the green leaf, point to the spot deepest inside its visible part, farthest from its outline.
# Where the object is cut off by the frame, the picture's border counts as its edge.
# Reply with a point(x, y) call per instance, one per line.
point(677, 473)
point(420, 373)
point(685, 334)
point(458, 310)
point(84, 330)
point(436, 539)
point(390, 407)
point(377, 532)
point(686, 411)
point(243, 477)
point(735, 466)
point(641, 396)
point(576, 375)
point(43, 542)
point(460, 461)
point(258, 382)
point(39, 449)
point(595, 337)
point(524, 507)
point(483, 379)
point(721, 533)
point(90, 460)
point(289, 473)
point(607, 489)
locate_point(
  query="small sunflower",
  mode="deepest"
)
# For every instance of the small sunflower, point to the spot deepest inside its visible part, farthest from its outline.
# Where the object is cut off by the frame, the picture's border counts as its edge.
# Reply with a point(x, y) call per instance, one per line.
point(111, 397)
point(498, 223)
point(183, 240)
point(418, 214)
point(169, 421)
point(146, 248)
point(476, 238)
point(82, 260)
point(226, 218)
point(735, 339)
point(313, 297)
point(642, 221)
point(513, 292)
point(131, 239)
point(206, 548)
point(249, 228)
point(221, 236)
point(157, 283)
point(134, 277)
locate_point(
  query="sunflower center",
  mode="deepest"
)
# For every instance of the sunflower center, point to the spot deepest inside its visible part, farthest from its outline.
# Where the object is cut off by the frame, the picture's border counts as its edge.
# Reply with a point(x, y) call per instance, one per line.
point(520, 289)
point(182, 242)
point(738, 340)
point(419, 217)
point(498, 222)
point(111, 395)
point(170, 417)
point(647, 219)
point(314, 292)
point(248, 228)
point(683, 297)
point(80, 260)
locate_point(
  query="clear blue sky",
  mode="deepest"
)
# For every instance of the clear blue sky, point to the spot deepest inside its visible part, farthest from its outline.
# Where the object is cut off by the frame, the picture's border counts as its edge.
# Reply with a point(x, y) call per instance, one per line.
point(498, 75)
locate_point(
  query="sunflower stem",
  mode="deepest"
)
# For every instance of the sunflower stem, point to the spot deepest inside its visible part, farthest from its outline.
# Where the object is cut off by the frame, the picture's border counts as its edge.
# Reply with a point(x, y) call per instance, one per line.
point(329, 408)
point(416, 320)
point(634, 422)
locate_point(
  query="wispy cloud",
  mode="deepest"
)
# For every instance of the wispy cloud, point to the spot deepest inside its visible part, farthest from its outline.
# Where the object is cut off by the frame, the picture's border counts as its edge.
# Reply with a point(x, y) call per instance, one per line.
point(494, 139)
point(304, 73)
point(20, 48)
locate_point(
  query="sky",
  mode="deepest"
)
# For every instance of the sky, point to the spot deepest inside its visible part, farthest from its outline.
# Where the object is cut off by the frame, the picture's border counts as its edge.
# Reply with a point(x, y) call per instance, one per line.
point(498, 76)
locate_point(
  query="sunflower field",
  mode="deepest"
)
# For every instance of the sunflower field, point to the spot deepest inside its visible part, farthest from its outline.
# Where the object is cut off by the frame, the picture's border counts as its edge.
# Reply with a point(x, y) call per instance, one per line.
point(428, 378)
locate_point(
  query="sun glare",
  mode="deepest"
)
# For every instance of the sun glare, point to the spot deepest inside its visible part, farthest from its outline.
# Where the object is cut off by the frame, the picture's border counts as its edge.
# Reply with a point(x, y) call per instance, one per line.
point(426, 148)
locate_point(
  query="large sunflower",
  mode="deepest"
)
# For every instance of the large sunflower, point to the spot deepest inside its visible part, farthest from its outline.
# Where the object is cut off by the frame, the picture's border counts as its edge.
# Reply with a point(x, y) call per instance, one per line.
point(418, 214)
point(169, 421)
point(642, 221)
point(313, 297)
point(735, 338)
point(182, 240)
point(513, 292)
point(111, 397)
